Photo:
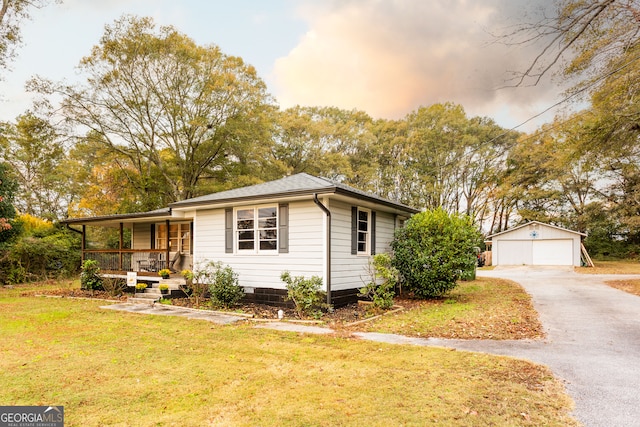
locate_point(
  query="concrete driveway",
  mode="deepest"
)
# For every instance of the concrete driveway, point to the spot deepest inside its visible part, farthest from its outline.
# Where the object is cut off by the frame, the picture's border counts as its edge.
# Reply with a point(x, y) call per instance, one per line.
point(592, 342)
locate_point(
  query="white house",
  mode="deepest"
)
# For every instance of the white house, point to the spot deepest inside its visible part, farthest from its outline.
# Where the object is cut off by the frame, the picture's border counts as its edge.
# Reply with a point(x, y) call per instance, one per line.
point(536, 243)
point(301, 223)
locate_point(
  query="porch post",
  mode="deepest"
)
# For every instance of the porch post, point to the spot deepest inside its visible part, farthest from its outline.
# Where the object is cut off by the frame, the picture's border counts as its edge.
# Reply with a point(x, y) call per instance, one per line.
point(168, 243)
point(120, 250)
point(84, 241)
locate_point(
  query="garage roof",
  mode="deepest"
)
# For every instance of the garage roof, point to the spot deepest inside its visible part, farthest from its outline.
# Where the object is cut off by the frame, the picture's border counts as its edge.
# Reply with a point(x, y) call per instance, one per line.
point(539, 223)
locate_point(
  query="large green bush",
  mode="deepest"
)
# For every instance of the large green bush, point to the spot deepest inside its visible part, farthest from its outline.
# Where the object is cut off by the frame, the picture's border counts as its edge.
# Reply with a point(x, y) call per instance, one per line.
point(90, 278)
point(220, 280)
point(306, 294)
point(381, 288)
point(51, 252)
point(432, 251)
point(224, 289)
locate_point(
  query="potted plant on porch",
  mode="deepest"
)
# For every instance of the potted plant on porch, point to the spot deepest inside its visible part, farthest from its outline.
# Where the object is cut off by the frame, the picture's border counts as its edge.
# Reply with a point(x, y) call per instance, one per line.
point(164, 288)
point(164, 273)
point(140, 287)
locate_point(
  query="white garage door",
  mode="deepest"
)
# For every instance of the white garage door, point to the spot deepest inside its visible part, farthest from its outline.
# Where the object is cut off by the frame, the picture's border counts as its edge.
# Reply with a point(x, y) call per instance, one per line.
point(514, 252)
point(553, 252)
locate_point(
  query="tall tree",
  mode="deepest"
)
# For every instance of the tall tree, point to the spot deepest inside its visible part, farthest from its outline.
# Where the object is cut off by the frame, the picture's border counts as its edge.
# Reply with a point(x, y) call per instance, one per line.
point(452, 161)
point(36, 155)
point(392, 158)
point(100, 182)
point(324, 141)
point(554, 176)
point(175, 110)
point(586, 38)
point(12, 15)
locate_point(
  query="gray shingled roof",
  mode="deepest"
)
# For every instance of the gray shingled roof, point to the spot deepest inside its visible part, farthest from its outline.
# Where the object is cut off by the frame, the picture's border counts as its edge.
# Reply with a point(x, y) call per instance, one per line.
point(299, 184)
point(163, 212)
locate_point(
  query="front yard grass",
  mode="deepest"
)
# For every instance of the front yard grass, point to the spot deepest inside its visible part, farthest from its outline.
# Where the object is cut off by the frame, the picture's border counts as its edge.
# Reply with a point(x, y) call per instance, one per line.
point(485, 308)
point(115, 368)
point(624, 266)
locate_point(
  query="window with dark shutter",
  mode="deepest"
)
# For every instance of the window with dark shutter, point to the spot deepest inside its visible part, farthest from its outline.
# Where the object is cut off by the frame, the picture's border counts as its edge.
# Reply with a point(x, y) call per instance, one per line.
point(354, 230)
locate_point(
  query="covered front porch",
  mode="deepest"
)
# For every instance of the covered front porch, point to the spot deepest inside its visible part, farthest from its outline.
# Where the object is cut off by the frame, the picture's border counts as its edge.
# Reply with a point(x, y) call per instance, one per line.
point(144, 243)
point(145, 262)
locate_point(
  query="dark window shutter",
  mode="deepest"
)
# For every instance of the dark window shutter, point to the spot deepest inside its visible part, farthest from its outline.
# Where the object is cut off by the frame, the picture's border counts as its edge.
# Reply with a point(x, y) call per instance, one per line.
point(228, 230)
point(152, 245)
point(191, 238)
point(373, 232)
point(354, 230)
point(283, 228)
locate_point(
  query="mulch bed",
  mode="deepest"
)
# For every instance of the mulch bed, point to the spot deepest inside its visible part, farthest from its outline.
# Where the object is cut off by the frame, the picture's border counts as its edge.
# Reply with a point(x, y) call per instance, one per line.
point(336, 318)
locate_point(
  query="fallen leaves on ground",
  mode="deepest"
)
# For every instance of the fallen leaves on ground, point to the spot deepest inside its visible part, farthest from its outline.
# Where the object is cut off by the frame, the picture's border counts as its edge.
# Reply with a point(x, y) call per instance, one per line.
point(629, 286)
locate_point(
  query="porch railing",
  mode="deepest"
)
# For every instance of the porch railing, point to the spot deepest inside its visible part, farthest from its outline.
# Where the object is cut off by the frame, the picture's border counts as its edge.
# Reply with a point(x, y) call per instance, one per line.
point(139, 260)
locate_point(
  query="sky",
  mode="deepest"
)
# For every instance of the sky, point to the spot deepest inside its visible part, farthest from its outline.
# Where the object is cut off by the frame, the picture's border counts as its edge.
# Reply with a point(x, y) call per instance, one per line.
point(384, 57)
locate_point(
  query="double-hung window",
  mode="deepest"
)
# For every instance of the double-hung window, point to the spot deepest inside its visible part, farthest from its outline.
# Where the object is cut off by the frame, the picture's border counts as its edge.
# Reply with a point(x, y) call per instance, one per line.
point(364, 232)
point(256, 229)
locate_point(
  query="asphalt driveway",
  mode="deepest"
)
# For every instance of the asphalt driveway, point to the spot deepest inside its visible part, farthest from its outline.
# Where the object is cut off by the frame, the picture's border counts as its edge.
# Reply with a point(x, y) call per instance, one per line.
point(592, 342)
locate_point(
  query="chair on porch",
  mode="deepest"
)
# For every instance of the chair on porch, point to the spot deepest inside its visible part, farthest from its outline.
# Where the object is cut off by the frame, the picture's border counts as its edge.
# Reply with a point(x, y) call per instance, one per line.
point(174, 260)
point(149, 264)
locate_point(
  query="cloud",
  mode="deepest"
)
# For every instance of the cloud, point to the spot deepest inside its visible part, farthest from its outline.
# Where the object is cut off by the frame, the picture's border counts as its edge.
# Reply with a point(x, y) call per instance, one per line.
point(390, 57)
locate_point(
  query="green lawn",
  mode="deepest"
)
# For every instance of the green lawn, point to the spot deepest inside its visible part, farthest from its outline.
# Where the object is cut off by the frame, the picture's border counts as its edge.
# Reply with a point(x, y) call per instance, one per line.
point(485, 308)
point(115, 368)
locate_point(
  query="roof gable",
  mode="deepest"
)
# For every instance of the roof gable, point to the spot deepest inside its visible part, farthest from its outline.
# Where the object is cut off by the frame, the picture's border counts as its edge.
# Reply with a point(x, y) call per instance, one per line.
point(294, 185)
point(535, 222)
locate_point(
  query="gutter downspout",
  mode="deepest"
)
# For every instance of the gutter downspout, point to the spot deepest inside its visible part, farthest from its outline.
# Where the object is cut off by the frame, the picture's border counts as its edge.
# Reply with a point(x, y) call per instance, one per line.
point(328, 240)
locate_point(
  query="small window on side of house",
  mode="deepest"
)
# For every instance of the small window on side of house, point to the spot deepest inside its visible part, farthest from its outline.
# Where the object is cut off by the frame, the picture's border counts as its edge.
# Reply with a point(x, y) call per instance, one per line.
point(364, 231)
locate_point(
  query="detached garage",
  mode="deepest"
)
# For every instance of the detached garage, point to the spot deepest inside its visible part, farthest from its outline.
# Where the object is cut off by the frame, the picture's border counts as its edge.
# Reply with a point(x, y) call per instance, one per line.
point(536, 243)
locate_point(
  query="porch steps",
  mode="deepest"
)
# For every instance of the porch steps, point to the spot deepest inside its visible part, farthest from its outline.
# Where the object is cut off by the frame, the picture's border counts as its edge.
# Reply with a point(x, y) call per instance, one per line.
point(153, 294)
point(138, 299)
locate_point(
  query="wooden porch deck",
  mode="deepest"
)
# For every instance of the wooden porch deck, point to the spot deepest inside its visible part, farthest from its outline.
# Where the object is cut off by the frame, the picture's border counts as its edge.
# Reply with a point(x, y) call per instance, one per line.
point(144, 262)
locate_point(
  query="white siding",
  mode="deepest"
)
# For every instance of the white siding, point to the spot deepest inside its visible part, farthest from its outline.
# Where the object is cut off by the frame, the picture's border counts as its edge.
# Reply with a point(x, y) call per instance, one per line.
point(306, 247)
point(141, 236)
point(385, 228)
point(350, 271)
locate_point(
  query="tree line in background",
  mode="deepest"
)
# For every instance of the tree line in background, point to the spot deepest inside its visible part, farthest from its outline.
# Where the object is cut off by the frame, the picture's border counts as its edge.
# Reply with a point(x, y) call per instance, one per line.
point(158, 118)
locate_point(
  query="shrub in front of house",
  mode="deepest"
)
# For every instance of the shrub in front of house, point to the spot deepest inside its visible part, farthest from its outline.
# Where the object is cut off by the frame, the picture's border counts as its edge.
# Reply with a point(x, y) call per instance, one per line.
point(432, 251)
point(114, 286)
point(306, 294)
point(90, 275)
point(220, 280)
point(383, 279)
